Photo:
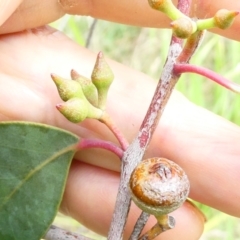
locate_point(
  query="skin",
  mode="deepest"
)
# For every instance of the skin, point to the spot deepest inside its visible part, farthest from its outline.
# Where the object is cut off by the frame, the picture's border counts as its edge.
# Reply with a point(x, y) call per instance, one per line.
point(205, 145)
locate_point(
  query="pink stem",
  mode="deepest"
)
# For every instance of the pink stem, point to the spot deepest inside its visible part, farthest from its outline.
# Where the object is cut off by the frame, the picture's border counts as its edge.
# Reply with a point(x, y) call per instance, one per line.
point(96, 143)
point(183, 68)
point(106, 119)
point(184, 6)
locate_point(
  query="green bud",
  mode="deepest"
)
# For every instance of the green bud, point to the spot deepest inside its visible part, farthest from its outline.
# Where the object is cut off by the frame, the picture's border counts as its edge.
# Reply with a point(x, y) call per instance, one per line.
point(183, 27)
point(75, 109)
point(167, 7)
point(102, 77)
point(94, 113)
point(224, 18)
point(89, 89)
point(67, 89)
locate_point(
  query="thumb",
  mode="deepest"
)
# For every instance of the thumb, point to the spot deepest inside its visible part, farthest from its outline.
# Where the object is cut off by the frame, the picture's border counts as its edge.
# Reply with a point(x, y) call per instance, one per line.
point(7, 8)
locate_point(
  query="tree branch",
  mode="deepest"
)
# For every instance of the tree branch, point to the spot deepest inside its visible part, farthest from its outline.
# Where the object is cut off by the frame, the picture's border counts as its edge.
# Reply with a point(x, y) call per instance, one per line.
point(134, 153)
point(136, 150)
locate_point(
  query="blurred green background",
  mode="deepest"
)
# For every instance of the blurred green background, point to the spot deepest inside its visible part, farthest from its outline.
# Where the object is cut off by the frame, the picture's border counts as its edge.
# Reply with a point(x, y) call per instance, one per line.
point(145, 49)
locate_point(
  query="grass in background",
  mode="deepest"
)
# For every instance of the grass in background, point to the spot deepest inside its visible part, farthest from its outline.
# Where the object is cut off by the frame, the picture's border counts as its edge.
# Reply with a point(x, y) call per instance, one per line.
point(145, 50)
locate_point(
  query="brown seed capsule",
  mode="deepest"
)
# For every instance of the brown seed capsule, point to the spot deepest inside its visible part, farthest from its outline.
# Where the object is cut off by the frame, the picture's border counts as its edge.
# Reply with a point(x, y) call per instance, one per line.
point(158, 186)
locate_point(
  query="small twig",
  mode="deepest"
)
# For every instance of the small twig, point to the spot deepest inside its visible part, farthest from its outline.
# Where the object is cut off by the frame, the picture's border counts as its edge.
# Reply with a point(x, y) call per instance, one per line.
point(189, 68)
point(56, 233)
point(97, 143)
point(90, 33)
point(106, 119)
point(141, 222)
point(164, 223)
point(190, 46)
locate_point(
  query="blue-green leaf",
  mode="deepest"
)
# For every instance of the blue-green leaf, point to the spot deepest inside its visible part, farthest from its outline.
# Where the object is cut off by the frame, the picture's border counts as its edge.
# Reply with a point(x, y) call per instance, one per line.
point(34, 164)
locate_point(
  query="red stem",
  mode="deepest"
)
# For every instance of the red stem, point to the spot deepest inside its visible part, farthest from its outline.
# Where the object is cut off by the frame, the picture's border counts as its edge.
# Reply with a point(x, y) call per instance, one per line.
point(96, 143)
point(183, 68)
point(106, 119)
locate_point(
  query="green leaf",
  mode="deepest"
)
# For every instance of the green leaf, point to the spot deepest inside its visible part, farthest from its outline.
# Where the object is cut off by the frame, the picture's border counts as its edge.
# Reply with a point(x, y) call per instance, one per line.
point(34, 164)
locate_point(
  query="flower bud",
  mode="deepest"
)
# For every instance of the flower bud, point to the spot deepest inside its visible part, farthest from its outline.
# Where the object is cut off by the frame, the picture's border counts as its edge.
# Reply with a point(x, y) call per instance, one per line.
point(75, 109)
point(224, 18)
point(183, 27)
point(89, 89)
point(102, 77)
point(167, 7)
point(67, 89)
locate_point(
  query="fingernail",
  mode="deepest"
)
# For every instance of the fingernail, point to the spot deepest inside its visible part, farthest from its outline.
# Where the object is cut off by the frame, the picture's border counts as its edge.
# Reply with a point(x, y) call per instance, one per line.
point(197, 211)
point(7, 8)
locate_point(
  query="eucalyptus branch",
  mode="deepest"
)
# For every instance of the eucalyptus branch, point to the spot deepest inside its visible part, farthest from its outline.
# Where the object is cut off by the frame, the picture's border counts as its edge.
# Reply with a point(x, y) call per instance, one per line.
point(56, 233)
point(136, 150)
point(97, 143)
point(189, 68)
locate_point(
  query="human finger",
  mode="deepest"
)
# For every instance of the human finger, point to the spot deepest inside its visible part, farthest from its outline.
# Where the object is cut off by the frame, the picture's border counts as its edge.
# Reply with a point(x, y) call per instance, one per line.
point(90, 197)
point(32, 14)
point(205, 145)
point(36, 13)
point(7, 8)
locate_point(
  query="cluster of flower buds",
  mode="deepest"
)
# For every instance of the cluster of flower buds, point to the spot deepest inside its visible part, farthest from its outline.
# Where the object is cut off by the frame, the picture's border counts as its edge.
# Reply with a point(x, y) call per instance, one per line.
point(183, 26)
point(84, 98)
